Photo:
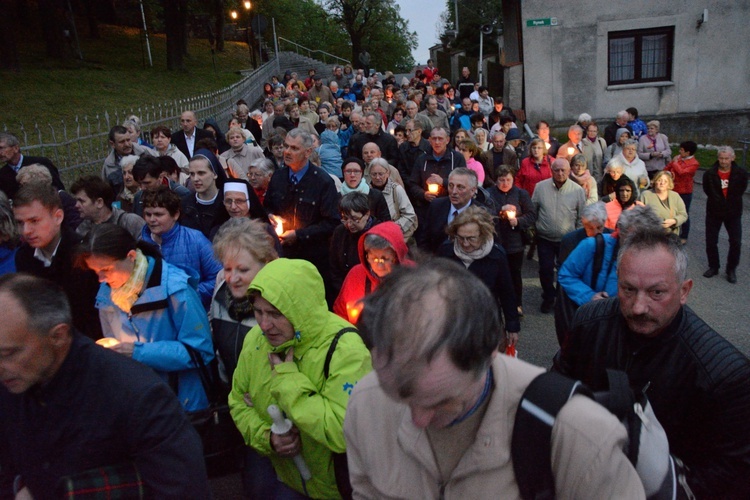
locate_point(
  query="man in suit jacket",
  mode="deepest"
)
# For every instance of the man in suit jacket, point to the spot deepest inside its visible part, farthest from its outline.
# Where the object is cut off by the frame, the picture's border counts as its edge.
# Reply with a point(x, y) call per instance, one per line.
point(462, 187)
point(10, 154)
point(186, 138)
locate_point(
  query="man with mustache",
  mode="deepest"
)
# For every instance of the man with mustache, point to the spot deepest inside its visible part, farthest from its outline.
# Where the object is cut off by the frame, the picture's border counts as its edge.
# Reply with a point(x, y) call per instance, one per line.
point(698, 383)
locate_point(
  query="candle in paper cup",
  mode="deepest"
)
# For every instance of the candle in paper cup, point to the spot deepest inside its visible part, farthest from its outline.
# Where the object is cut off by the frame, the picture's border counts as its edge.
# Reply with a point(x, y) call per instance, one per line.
point(571, 151)
point(433, 188)
point(511, 214)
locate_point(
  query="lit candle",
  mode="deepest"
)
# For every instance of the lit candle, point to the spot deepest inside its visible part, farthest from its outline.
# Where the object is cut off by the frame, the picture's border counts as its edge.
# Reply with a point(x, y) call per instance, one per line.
point(546, 145)
point(571, 151)
point(353, 310)
point(278, 222)
point(108, 342)
point(511, 214)
point(433, 188)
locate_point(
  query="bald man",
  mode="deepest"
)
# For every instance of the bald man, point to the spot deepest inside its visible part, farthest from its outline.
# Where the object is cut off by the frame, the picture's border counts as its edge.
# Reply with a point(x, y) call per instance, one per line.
point(189, 134)
point(370, 151)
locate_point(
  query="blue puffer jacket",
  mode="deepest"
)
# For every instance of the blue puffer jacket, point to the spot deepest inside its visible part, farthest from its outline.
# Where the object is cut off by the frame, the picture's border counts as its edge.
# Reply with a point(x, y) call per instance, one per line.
point(166, 315)
point(575, 273)
point(330, 153)
point(190, 250)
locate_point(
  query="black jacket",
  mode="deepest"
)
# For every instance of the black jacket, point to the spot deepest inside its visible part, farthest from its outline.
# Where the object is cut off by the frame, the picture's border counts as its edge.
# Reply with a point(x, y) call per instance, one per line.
point(717, 205)
point(8, 183)
point(699, 388)
point(408, 154)
point(311, 208)
point(81, 285)
point(525, 214)
point(426, 165)
point(178, 139)
point(100, 408)
point(494, 272)
point(385, 141)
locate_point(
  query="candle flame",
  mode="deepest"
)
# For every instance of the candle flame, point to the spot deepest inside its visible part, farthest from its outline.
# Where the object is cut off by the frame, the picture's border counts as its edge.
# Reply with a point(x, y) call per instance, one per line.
point(353, 310)
point(278, 224)
point(433, 188)
point(571, 151)
point(511, 214)
point(108, 342)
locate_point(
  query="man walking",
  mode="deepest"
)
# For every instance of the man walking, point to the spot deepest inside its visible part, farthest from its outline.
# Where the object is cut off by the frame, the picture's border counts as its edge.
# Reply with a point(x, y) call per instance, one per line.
point(724, 185)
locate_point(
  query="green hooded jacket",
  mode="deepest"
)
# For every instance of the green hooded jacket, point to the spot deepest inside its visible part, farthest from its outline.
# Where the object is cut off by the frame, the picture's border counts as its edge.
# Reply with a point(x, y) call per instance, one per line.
point(314, 404)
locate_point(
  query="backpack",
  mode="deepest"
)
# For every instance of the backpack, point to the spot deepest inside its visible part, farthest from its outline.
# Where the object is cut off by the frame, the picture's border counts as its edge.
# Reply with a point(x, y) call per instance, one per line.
point(531, 444)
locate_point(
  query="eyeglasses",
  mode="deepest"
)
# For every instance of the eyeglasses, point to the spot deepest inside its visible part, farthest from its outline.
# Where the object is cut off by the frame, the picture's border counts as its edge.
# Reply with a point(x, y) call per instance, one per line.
point(380, 261)
point(352, 172)
point(346, 219)
point(467, 239)
point(377, 175)
point(229, 203)
point(255, 175)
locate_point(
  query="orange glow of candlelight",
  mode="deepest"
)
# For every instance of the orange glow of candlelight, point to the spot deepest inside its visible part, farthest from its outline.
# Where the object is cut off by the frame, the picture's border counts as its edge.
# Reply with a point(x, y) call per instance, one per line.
point(278, 224)
point(571, 151)
point(108, 342)
point(433, 188)
point(546, 145)
point(511, 214)
point(353, 310)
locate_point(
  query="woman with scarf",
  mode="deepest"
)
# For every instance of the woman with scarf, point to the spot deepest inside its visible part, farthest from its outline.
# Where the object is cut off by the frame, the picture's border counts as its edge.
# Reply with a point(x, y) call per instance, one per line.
point(653, 149)
point(615, 148)
point(626, 197)
point(354, 181)
point(535, 167)
point(579, 172)
point(151, 308)
point(401, 210)
point(379, 250)
point(356, 219)
point(472, 243)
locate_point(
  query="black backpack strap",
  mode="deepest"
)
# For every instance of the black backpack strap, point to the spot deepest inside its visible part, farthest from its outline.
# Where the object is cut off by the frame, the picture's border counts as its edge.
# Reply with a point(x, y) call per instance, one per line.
point(531, 445)
point(598, 260)
point(332, 348)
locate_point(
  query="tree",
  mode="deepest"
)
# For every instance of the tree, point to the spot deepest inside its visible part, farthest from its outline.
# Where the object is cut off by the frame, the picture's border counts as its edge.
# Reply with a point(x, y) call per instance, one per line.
point(175, 27)
point(472, 15)
point(8, 36)
point(377, 26)
point(53, 16)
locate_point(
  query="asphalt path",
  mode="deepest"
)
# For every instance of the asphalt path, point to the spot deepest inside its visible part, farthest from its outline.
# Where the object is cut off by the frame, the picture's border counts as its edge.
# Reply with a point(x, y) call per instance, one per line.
point(722, 305)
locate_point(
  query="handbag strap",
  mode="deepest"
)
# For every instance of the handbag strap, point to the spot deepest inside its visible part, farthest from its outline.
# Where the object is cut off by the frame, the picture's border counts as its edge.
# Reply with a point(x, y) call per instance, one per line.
point(203, 372)
point(334, 342)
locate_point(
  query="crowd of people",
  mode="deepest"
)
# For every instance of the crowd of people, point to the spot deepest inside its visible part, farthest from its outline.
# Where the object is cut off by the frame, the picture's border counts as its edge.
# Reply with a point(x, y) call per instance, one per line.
point(356, 224)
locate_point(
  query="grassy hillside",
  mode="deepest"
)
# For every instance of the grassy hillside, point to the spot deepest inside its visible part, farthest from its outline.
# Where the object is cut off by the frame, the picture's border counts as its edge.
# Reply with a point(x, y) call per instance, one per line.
point(111, 77)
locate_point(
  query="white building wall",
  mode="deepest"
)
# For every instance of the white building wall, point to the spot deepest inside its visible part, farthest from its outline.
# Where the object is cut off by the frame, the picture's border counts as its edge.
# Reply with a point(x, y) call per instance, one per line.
point(565, 66)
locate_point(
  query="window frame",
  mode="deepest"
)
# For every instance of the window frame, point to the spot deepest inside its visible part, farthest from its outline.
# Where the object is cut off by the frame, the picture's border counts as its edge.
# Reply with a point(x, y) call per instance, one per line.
point(638, 36)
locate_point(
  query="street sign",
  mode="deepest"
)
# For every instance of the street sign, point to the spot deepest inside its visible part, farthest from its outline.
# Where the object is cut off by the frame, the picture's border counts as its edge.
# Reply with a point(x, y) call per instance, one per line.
point(547, 21)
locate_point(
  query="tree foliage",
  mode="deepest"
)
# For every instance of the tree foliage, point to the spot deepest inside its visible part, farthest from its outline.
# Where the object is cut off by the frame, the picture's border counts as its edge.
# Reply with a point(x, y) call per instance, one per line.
point(472, 15)
point(375, 26)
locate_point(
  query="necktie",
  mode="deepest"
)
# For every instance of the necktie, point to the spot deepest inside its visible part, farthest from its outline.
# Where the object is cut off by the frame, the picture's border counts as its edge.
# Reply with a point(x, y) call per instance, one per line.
point(578, 146)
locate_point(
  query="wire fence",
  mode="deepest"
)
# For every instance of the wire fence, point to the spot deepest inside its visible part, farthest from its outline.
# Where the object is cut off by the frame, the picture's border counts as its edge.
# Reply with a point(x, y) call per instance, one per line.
point(80, 145)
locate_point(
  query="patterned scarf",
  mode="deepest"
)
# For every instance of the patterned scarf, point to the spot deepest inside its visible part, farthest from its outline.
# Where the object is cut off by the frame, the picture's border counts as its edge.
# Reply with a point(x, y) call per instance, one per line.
point(125, 296)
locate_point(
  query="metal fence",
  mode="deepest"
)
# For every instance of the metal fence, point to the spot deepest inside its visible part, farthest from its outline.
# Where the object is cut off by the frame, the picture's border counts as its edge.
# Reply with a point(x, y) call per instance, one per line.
point(80, 145)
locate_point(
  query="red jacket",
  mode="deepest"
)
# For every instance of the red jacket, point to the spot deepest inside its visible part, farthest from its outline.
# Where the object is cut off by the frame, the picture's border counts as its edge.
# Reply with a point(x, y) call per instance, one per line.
point(530, 173)
point(683, 171)
point(354, 289)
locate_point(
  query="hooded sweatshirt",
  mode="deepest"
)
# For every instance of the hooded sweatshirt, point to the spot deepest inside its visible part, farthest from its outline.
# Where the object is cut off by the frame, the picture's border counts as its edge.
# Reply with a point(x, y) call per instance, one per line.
point(360, 281)
point(330, 153)
point(316, 405)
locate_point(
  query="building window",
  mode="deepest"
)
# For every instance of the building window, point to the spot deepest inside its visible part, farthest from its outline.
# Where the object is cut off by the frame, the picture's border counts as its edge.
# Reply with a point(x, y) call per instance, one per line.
point(640, 56)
